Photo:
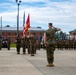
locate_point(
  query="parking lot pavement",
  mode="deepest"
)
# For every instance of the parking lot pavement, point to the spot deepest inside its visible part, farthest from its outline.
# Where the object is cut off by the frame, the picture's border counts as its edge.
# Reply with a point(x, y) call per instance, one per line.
point(13, 64)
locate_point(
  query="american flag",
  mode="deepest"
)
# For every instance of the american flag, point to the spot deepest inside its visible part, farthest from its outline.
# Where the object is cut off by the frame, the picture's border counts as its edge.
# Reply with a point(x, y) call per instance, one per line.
point(24, 25)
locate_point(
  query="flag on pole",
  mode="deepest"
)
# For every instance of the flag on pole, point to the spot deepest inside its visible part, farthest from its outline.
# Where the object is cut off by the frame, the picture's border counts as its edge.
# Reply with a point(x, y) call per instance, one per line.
point(24, 19)
point(24, 25)
point(27, 23)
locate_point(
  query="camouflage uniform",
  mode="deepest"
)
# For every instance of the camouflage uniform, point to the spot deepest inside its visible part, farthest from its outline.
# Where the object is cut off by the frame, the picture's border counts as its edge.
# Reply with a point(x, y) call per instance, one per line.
point(50, 44)
point(8, 43)
point(28, 44)
point(70, 44)
point(24, 45)
point(18, 44)
point(58, 44)
point(32, 45)
point(0, 44)
point(37, 43)
point(74, 44)
point(61, 44)
point(66, 44)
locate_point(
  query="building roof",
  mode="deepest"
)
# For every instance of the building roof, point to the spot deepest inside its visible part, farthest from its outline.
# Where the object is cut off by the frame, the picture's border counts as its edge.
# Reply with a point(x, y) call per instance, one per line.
point(33, 29)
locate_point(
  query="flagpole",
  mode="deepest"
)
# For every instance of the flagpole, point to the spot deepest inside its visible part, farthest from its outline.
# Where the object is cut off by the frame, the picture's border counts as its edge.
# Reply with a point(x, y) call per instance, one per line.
point(17, 25)
point(23, 35)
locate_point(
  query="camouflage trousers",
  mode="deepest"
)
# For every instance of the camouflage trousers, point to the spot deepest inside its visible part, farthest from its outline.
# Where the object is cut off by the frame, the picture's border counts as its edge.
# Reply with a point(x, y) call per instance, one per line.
point(18, 48)
point(28, 48)
point(8, 47)
point(50, 53)
point(32, 49)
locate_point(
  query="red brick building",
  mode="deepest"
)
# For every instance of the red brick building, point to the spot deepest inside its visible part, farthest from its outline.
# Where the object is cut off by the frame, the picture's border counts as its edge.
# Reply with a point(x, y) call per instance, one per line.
point(12, 32)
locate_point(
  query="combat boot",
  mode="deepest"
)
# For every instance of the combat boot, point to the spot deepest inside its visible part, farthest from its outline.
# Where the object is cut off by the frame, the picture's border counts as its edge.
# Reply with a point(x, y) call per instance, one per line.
point(32, 55)
point(50, 65)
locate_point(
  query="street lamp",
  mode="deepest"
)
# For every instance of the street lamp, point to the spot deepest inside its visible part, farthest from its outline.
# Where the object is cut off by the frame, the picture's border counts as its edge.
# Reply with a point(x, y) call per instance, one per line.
point(18, 4)
point(1, 28)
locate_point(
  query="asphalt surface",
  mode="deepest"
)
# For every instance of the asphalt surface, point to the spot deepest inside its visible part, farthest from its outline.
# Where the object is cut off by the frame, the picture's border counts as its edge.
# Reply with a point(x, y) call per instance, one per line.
point(24, 64)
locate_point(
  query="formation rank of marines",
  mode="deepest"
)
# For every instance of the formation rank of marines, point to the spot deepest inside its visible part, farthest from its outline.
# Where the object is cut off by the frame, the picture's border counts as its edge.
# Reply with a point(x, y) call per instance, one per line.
point(28, 43)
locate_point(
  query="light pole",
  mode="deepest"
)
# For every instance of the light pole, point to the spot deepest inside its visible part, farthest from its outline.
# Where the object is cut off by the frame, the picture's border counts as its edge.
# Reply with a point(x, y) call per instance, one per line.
point(18, 4)
point(1, 27)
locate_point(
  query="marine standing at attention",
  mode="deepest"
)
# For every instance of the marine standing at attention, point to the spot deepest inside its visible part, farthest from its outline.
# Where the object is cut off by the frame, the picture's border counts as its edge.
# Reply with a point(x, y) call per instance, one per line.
point(50, 41)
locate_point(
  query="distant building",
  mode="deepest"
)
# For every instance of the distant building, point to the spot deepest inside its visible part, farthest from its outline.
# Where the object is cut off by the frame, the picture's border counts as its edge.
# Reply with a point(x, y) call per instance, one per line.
point(12, 32)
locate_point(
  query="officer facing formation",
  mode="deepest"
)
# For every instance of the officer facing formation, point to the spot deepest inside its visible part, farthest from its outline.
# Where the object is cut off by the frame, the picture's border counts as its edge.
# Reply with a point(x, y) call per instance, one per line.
point(49, 41)
point(18, 44)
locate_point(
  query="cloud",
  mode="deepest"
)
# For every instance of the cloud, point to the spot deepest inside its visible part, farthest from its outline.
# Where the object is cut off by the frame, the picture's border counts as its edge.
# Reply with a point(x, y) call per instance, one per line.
point(30, 1)
point(61, 14)
point(34, 0)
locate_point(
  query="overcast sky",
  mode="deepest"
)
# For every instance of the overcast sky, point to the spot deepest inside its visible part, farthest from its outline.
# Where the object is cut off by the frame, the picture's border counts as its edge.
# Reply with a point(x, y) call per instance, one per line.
point(62, 13)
